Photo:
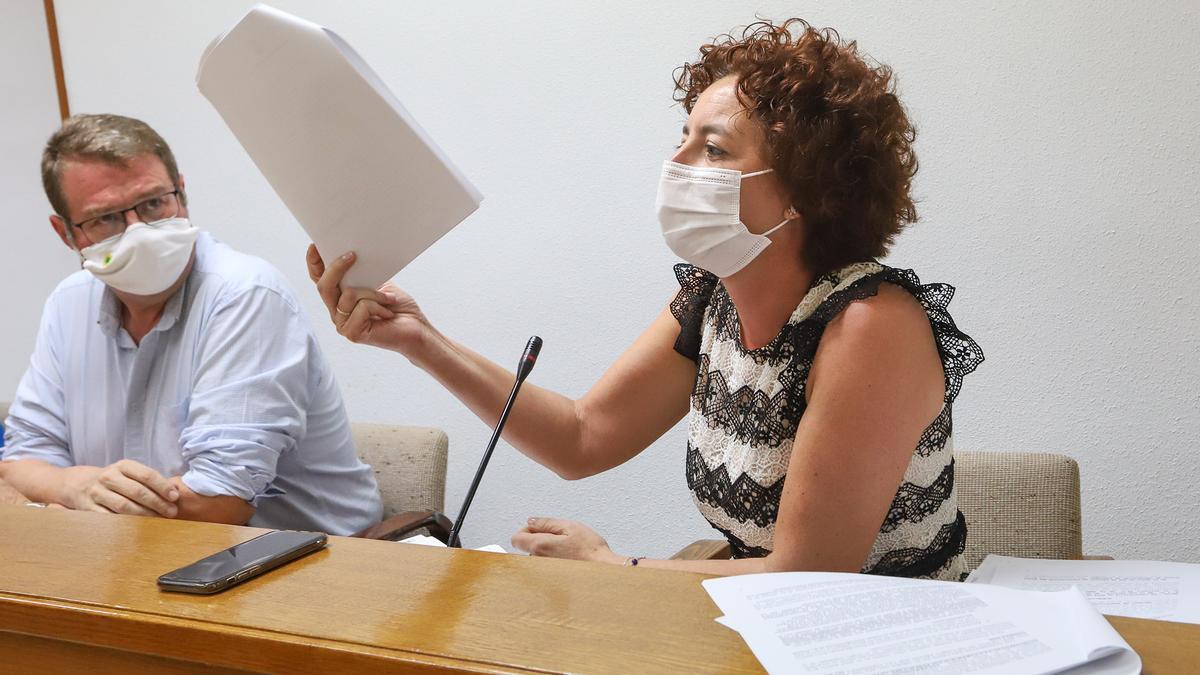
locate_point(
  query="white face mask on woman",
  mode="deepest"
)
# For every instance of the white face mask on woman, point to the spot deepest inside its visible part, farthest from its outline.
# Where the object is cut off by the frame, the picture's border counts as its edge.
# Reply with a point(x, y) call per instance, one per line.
point(146, 259)
point(699, 210)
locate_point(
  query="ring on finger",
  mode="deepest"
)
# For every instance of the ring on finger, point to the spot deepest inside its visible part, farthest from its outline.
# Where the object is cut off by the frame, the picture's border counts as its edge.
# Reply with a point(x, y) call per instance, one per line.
point(339, 311)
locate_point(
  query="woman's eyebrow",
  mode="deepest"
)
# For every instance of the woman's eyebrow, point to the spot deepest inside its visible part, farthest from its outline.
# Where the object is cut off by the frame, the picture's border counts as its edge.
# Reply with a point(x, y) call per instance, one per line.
point(709, 129)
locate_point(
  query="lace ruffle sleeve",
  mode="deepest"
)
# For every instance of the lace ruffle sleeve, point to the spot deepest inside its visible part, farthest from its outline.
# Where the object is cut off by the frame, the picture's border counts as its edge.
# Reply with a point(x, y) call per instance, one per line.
point(696, 287)
point(960, 354)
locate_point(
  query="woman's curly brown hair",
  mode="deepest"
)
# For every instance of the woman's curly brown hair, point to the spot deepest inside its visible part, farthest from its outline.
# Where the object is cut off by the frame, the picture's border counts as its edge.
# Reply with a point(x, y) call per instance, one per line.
point(836, 133)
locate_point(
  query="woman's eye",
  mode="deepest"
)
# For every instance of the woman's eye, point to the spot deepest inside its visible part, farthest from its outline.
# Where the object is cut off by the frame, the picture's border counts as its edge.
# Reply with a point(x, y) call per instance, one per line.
point(713, 151)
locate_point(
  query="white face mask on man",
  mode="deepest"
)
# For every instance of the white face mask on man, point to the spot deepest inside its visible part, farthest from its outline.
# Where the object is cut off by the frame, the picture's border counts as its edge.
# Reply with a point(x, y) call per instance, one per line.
point(146, 259)
point(699, 210)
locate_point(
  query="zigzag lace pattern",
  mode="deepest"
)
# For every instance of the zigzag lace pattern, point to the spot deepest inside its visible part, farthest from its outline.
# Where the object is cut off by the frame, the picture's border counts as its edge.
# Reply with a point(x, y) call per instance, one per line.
point(914, 503)
point(949, 542)
point(743, 499)
point(937, 434)
point(740, 549)
point(747, 413)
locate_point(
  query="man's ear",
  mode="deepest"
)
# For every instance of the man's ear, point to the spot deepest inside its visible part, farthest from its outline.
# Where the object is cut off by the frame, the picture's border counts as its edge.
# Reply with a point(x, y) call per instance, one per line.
point(64, 232)
point(182, 191)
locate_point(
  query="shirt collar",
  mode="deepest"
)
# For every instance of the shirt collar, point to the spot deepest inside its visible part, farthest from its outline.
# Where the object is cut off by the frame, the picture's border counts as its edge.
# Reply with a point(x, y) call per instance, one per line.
point(110, 310)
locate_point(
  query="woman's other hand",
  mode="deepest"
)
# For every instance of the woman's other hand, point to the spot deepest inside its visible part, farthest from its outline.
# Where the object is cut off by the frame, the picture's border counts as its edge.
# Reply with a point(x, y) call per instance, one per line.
point(387, 317)
point(558, 538)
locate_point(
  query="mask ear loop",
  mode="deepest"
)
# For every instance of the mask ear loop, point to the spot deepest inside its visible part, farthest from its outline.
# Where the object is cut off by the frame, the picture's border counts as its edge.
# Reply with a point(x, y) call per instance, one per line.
point(788, 216)
point(756, 173)
point(790, 210)
point(71, 239)
point(772, 230)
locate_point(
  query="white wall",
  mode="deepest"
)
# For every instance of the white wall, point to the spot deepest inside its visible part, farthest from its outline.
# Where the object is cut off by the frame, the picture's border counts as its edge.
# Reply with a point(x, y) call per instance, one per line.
point(1058, 193)
point(34, 260)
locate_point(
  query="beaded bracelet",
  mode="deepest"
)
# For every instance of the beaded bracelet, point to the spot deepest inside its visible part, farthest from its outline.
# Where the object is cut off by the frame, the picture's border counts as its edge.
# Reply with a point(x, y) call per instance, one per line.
point(634, 561)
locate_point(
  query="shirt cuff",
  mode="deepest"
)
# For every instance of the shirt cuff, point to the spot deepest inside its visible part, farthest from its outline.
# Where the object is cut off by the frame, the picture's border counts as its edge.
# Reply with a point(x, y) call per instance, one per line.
point(207, 478)
point(53, 456)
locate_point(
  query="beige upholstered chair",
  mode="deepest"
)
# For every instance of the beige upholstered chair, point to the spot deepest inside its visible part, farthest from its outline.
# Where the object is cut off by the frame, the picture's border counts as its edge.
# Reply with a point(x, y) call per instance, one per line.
point(409, 463)
point(410, 467)
point(1017, 504)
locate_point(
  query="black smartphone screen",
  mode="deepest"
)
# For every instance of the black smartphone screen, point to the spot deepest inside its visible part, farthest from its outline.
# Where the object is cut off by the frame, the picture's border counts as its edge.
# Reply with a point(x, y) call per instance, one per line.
point(242, 561)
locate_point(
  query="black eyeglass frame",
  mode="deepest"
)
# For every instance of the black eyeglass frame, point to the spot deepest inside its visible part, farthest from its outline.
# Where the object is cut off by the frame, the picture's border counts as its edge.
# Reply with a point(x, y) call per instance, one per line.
point(177, 193)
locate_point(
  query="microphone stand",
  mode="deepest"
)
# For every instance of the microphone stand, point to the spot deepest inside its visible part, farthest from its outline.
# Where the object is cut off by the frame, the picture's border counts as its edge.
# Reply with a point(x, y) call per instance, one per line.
point(528, 359)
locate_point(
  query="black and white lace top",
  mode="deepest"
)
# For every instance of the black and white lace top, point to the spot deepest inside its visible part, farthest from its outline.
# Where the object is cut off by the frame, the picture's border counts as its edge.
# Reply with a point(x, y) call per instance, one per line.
point(746, 406)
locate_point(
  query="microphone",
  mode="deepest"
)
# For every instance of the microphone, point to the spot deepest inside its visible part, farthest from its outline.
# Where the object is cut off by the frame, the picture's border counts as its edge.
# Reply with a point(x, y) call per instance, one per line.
point(524, 367)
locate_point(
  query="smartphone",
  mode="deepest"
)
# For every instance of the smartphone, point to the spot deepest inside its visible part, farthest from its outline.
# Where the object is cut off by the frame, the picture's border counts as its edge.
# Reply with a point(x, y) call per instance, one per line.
point(243, 561)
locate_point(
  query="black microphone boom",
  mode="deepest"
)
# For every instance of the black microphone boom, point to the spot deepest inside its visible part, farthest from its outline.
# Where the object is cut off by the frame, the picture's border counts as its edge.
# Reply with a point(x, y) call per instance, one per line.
point(528, 359)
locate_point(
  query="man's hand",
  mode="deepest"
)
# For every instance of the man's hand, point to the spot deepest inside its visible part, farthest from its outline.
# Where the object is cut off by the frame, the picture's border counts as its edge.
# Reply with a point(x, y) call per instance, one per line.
point(123, 487)
point(9, 494)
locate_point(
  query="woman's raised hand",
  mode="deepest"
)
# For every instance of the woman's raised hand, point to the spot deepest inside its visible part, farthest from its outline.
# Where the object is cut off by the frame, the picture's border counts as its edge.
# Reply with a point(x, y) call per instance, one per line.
point(387, 317)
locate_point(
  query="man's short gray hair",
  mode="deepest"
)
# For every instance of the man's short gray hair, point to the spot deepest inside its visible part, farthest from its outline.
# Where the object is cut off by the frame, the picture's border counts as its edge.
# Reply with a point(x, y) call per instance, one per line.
point(110, 138)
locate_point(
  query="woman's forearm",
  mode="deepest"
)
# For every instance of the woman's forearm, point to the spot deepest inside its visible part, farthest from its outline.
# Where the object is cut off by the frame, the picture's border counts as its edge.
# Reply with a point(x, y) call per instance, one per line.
point(543, 424)
point(722, 568)
point(733, 567)
point(637, 399)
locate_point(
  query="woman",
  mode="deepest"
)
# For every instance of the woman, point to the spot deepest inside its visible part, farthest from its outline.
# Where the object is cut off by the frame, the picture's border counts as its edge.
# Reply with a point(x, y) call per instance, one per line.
point(817, 383)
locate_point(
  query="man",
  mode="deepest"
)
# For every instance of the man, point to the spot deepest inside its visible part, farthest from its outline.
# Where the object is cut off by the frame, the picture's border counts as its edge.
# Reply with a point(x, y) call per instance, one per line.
point(173, 376)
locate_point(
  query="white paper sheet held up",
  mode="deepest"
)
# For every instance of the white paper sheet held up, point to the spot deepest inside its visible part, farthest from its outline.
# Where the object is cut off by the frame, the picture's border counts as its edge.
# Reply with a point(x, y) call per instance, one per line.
point(341, 151)
point(1144, 589)
point(817, 622)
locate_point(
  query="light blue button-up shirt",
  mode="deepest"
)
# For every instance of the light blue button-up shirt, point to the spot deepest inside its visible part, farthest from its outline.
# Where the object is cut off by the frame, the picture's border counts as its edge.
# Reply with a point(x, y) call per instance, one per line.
point(229, 390)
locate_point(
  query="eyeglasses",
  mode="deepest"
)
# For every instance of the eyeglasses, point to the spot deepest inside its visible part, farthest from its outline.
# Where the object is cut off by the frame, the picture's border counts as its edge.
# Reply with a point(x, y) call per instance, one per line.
point(150, 210)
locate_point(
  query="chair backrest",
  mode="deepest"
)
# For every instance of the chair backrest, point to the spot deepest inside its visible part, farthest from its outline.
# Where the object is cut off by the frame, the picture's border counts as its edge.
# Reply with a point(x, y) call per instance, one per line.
point(409, 463)
point(1019, 504)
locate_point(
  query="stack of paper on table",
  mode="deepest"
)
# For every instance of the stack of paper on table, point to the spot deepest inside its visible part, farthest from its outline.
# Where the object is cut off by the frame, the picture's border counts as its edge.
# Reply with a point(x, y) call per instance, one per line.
point(820, 622)
point(341, 151)
point(1143, 589)
point(426, 540)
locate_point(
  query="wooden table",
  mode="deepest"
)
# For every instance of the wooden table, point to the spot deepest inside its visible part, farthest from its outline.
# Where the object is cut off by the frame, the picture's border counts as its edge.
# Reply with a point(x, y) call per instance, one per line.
point(77, 590)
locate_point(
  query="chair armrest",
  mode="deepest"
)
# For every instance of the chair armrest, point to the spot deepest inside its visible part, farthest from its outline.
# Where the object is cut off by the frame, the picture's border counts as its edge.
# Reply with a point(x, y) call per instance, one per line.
point(704, 549)
point(401, 525)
